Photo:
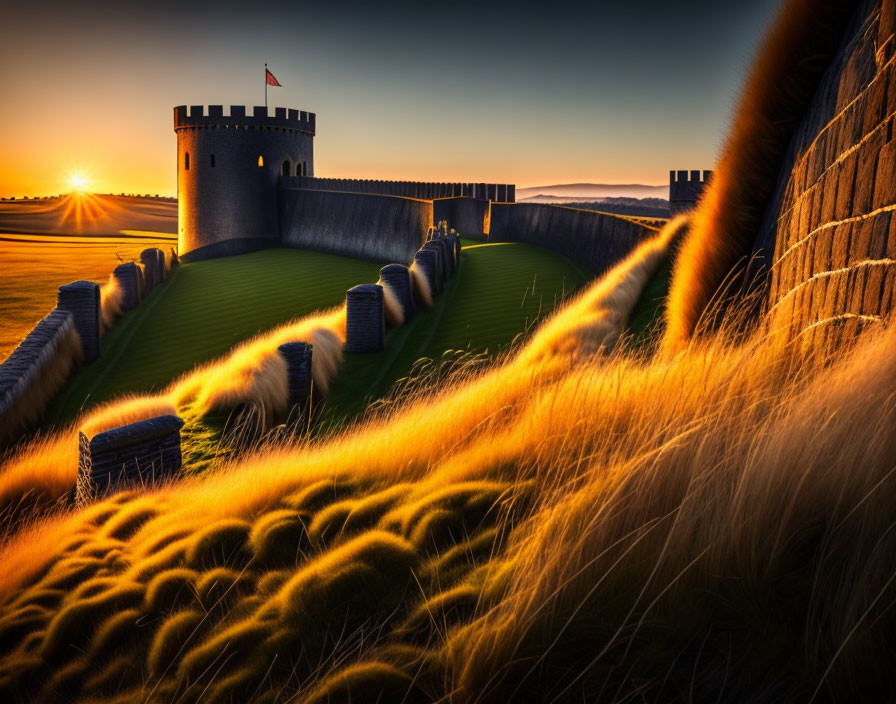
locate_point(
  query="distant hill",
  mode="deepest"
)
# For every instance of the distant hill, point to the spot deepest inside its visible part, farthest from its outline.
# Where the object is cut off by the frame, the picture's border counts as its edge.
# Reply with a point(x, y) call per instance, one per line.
point(567, 192)
point(641, 207)
point(638, 207)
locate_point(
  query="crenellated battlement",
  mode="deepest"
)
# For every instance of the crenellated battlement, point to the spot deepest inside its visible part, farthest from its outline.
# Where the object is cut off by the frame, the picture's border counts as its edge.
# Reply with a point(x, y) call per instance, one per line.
point(239, 117)
point(678, 177)
point(685, 189)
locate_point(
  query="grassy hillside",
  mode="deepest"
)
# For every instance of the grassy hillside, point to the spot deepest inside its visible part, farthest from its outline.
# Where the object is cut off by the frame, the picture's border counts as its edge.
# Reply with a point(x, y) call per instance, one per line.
point(201, 312)
point(500, 291)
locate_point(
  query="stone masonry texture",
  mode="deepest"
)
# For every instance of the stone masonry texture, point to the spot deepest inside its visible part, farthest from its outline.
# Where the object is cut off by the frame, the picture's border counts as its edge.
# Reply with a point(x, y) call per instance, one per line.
point(831, 227)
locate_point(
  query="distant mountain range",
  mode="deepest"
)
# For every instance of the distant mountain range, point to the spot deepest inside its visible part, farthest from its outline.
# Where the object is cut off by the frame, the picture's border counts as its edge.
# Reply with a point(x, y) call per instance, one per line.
point(577, 192)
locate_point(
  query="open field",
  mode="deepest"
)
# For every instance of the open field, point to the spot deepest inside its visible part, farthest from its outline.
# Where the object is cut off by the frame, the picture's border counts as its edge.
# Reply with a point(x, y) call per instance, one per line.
point(34, 266)
point(201, 312)
point(53, 241)
point(500, 292)
point(88, 214)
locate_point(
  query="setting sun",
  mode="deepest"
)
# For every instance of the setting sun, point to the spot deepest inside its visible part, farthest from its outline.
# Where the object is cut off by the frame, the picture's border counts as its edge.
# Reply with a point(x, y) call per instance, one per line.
point(78, 182)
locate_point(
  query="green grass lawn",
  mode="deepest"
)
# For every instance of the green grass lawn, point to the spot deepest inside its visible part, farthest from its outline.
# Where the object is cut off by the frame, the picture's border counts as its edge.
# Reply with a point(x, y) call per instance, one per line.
point(500, 291)
point(202, 311)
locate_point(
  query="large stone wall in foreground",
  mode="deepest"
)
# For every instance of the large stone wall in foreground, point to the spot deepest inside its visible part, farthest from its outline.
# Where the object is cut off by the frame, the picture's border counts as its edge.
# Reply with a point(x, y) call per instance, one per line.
point(373, 227)
point(831, 225)
point(595, 240)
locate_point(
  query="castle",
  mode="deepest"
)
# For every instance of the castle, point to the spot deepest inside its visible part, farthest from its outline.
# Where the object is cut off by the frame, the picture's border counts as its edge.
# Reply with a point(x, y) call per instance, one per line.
point(246, 182)
point(685, 191)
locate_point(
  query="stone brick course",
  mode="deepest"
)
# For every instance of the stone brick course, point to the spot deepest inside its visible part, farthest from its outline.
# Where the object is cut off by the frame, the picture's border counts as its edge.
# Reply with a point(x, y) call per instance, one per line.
point(831, 221)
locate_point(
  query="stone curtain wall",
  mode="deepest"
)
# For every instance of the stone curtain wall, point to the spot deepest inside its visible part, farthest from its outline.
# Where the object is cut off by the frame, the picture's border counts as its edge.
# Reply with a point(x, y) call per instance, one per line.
point(502, 192)
point(376, 228)
point(34, 371)
point(831, 225)
point(469, 216)
point(595, 240)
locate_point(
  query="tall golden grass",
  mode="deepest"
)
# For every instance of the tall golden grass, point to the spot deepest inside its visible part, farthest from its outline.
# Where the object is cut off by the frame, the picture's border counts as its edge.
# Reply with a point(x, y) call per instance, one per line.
point(712, 523)
point(111, 295)
point(787, 70)
point(41, 473)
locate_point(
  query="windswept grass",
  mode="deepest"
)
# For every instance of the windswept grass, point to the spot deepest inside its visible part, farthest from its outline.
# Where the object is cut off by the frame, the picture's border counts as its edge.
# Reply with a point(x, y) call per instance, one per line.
point(501, 291)
point(715, 523)
point(202, 312)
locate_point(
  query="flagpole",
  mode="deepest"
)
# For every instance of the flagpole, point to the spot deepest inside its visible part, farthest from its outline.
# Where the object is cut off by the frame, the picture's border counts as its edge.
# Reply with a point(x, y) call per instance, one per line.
point(265, 87)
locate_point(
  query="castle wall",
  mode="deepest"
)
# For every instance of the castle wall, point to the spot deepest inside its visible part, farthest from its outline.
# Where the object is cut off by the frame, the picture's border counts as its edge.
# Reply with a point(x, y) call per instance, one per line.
point(685, 190)
point(227, 204)
point(595, 240)
point(35, 371)
point(505, 193)
point(366, 226)
point(468, 216)
point(831, 226)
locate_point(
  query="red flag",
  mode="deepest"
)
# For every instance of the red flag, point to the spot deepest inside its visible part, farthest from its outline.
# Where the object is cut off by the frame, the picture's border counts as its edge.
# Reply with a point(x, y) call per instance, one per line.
point(269, 77)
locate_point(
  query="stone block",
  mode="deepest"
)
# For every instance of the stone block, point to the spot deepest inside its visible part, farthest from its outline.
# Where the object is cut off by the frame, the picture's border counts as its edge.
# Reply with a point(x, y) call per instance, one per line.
point(860, 245)
point(142, 453)
point(398, 278)
point(441, 265)
point(863, 192)
point(128, 278)
point(153, 261)
point(828, 196)
point(454, 241)
point(846, 176)
point(885, 180)
point(855, 288)
point(365, 322)
point(822, 254)
point(447, 254)
point(840, 245)
point(874, 288)
point(880, 229)
point(426, 261)
point(82, 300)
point(874, 104)
point(297, 356)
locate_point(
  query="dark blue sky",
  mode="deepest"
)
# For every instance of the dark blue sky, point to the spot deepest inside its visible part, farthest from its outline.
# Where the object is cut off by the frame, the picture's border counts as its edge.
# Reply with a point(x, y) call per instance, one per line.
point(533, 94)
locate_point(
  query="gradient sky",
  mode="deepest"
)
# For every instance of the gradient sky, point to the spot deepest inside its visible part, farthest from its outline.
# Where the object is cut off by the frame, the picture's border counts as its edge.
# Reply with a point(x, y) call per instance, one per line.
point(612, 91)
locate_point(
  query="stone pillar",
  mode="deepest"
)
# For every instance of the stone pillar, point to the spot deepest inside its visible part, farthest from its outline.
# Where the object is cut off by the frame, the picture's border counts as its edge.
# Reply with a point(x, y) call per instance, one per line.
point(365, 322)
point(145, 452)
point(398, 279)
point(442, 268)
point(454, 243)
point(297, 356)
point(154, 268)
point(447, 253)
point(128, 278)
point(426, 261)
point(82, 300)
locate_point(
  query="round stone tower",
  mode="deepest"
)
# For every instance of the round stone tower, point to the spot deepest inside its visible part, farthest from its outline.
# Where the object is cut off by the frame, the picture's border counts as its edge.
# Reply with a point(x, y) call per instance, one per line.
point(228, 171)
